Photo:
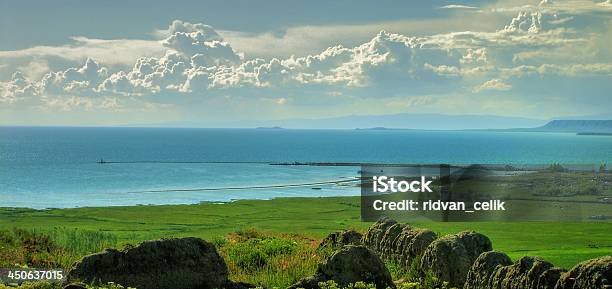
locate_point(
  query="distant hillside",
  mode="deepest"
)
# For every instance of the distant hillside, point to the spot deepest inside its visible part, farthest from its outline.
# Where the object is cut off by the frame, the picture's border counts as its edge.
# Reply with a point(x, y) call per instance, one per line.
point(577, 126)
point(406, 121)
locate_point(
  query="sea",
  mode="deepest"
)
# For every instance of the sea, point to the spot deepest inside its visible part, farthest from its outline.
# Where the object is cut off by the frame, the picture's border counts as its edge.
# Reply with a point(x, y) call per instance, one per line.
point(67, 167)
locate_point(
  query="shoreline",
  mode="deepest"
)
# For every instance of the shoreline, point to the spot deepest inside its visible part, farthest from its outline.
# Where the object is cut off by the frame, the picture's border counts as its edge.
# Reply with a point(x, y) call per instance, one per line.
point(564, 243)
point(172, 205)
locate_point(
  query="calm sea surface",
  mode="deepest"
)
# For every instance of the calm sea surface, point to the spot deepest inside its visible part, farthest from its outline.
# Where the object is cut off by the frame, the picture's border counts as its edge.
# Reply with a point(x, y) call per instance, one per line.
point(57, 167)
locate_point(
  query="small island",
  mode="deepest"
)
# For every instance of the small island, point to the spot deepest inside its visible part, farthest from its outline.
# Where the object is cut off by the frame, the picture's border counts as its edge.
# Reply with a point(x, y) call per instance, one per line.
point(269, 127)
point(595, 133)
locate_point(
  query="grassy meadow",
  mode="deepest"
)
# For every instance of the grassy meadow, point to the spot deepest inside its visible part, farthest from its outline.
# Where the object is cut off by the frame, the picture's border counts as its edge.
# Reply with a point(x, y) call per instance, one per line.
point(265, 242)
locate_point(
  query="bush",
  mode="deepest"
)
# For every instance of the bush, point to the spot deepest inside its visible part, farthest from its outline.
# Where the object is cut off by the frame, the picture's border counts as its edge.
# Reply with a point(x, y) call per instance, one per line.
point(270, 260)
point(57, 285)
point(397, 270)
point(80, 242)
point(255, 253)
point(219, 242)
point(50, 248)
point(22, 248)
point(247, 257)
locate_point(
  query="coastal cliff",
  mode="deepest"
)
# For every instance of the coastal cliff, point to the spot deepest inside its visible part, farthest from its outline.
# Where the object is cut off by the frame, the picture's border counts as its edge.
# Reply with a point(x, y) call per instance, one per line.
point(577, 126)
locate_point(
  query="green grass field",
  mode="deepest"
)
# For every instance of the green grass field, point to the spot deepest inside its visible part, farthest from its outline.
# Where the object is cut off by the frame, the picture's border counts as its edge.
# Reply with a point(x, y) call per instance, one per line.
point(562, 243)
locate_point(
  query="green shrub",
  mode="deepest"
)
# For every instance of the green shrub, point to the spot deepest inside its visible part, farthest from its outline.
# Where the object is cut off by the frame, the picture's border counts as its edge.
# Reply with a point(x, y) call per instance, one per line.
point(50, 248)
point(57, 285)
point(397, 270)
point(248, 233)
point(269, 260)
point(33, 285)
point(247, 257)
point(219, 242)
point(255, 253)
point(414, 273)
point(80, 242)
point(22, 248)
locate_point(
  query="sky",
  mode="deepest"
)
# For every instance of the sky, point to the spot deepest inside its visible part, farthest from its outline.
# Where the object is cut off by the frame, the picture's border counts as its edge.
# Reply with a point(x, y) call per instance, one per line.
point(215, 63)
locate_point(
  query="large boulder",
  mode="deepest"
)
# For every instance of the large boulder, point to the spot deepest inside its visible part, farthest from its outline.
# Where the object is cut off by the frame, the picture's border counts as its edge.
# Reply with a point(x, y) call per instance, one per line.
point(524, 273)
point(338, 239)
point(396, 242)
point(348, 265)
point(374, 235)
point(388, 246)
point(483, 269)
point(169, 263)
point(548, 279)
point(411, 244)
point(593, 274)
point(495, 270)
point(450, 257)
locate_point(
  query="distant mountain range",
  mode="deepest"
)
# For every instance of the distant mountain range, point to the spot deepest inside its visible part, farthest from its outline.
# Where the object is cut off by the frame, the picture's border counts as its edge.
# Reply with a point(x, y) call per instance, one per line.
point(576, 126)
point(422, 122)
point(407, 121)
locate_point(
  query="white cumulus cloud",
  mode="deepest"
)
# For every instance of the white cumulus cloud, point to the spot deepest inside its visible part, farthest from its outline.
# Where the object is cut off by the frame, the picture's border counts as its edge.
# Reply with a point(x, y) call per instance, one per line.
point(493, 84)
point(195, 61)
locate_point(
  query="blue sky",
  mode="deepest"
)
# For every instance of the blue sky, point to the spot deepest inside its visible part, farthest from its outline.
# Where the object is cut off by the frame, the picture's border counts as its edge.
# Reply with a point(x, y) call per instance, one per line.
point(219, 62)
point(70, 18)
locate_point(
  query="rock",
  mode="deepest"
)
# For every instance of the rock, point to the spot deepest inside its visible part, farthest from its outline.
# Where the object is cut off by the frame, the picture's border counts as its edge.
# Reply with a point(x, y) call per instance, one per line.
point(451, 257)
point(524, 273)
point(593, 274)
point(387, 246)
point(411, 244)
point(485, 266)
point(373, 237)
point(495, 270)
point(548, 279)
point(336, 240)
point(168, 263)
point(348, 265)
point(397, 242)
point(311, 282)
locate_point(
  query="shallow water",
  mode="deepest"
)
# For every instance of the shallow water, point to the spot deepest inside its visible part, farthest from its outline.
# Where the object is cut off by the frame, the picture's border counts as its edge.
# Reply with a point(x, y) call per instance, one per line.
point(56, 167)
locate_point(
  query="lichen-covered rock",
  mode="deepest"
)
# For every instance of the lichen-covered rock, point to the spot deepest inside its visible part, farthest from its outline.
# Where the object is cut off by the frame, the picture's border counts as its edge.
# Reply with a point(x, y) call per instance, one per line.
point(549, 278)
point(169, 263)
point(348, 265)
point(592, 274)
point(374, 235)
point(388, 243)
point(338, 239)
point(475, 243)
point(411, 244)
point(397, 242)
point(451, 257)
point(524, 273)
point(495, 270)
point(483, 269)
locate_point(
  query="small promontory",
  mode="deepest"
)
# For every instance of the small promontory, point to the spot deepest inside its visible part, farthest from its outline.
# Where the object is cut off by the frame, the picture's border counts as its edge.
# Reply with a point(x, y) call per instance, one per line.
point(577, 126)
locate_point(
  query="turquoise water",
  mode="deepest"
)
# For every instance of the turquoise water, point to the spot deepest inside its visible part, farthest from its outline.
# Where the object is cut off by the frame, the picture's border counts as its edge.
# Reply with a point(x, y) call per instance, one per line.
point(56, 167)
